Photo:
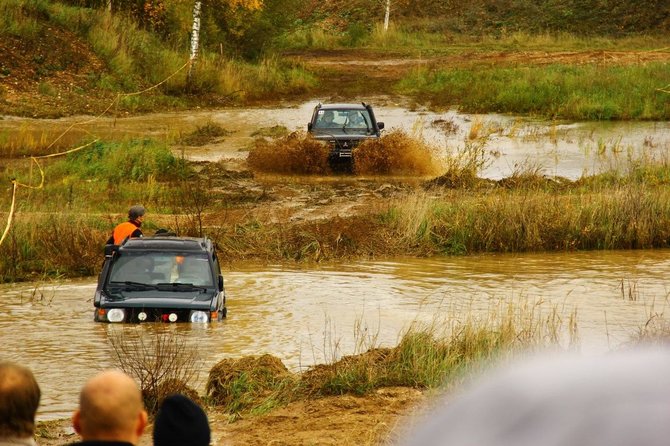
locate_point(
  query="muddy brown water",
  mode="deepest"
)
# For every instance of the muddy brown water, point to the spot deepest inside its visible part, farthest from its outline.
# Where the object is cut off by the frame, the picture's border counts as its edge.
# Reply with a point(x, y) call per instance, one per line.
point(511, 144)
point(314, 315)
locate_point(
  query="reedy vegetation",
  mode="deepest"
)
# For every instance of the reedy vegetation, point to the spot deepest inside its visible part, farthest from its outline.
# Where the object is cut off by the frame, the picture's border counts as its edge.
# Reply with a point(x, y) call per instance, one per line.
point(438, 355)
point(434, 355)
point(61, 228)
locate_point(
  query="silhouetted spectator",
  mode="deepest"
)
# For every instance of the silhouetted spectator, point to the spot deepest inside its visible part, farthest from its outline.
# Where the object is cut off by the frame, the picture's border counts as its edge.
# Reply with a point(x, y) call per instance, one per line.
point(181, 422)
point(19, 399)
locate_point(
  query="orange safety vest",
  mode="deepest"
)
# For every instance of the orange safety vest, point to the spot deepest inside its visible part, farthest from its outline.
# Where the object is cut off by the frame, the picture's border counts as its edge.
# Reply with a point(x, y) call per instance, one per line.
point(122, 231)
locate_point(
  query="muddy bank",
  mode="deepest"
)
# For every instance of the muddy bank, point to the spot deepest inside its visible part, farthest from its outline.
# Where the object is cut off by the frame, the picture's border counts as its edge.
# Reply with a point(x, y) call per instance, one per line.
point(336, 420)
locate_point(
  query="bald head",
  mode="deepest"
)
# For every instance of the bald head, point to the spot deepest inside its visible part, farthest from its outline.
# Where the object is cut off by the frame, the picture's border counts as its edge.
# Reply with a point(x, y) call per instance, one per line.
point(19, 398)
point(110, 408)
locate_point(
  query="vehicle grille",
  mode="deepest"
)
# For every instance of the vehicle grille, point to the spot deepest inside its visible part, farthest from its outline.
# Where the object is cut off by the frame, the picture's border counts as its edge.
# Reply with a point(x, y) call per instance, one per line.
point(156, 314)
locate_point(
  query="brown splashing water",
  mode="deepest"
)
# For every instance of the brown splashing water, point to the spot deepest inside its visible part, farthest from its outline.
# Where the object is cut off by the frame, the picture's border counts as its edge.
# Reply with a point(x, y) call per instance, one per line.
point(300, 315)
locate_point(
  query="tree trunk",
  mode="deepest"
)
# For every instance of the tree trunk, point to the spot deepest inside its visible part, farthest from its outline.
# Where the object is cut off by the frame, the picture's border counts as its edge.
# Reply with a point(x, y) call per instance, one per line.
point(387, 15)
point(195, 40)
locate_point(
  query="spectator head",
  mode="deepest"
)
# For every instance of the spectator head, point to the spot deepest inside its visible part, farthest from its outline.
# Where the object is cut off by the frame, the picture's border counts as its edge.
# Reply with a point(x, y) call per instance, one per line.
point(19, 399)
point(180, 421)
point(110, 409)
point(136, 212)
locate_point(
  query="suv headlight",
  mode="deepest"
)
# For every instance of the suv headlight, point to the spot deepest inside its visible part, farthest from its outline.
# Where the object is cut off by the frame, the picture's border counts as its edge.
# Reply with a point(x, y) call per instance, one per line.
point(199, 317)
point(116, 315)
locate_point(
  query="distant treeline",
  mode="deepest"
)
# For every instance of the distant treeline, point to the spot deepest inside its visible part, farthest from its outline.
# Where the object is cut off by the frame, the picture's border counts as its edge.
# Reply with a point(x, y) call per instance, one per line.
point(586, 17)
point(247, 32)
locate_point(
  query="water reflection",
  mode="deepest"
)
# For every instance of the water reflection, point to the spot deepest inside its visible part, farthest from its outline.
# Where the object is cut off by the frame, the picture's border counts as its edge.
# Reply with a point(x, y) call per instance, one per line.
point(307, 316)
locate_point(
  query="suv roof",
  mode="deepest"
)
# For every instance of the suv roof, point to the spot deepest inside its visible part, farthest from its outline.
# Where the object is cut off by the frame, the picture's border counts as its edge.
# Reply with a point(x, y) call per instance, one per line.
point(163, 243)
point(341, 106)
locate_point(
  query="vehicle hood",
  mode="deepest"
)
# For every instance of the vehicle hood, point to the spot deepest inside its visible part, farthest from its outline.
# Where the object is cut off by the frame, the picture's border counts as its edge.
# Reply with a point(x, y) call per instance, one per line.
point(340, 135)
point(148, 299)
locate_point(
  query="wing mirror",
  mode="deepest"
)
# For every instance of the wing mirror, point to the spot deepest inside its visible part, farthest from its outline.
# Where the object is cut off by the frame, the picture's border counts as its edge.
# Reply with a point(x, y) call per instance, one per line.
point(380, 125)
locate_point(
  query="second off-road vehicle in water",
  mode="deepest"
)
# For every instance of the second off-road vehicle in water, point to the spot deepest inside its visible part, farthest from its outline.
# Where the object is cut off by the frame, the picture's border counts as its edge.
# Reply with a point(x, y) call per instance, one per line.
point(343, 127)
point(160, 279)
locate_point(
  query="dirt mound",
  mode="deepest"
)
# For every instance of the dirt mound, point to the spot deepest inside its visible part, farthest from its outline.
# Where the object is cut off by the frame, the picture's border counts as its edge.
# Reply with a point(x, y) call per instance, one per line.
point(318, 379)
point(240, 383)
point(154, 397)
point(46, 75)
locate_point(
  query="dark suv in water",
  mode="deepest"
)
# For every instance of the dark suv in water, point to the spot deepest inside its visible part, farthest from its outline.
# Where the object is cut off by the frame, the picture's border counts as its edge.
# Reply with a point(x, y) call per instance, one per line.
point(343, 127)
point(160, 279)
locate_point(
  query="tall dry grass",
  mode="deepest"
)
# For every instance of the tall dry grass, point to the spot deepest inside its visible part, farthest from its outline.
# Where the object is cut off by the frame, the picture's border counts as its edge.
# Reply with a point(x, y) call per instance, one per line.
point(52, 245)
point(625, 217)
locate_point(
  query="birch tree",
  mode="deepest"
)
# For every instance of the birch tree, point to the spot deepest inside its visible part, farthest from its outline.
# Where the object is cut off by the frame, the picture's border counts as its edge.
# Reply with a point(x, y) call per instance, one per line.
point(388, 5)
point(195, 28)
point(195, 40)
point(387, 15)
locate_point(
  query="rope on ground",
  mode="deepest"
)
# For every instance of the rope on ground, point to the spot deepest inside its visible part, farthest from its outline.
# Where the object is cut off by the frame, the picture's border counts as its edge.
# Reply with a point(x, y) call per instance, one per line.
point(11, 212)
point(115, 101)
point(16, 184)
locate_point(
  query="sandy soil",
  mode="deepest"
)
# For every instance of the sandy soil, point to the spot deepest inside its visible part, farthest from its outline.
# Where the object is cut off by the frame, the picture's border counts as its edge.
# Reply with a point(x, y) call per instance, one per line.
point(380, 418)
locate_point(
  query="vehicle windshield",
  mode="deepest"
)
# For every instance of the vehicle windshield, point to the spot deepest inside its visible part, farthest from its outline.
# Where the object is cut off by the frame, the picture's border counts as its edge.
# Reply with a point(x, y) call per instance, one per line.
point(343, 120)
point(152, 268)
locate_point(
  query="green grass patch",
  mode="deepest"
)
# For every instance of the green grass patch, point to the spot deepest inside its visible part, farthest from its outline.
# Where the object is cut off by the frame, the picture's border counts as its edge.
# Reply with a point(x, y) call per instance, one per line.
point(589, 92)
point(205, 134)
point(116, 162)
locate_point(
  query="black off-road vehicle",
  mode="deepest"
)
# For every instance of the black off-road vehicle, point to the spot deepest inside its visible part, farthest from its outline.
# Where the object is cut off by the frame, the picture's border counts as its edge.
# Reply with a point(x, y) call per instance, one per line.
point(343, 127)
point(160, 279)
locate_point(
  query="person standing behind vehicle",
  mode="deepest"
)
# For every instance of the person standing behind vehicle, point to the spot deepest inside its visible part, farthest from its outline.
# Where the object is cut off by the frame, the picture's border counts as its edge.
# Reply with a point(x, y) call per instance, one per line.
point(130, 228)
point(19, 399)
point(110, 411)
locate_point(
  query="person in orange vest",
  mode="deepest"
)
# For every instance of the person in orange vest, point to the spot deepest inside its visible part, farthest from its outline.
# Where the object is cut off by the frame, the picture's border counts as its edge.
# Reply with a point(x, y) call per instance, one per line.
point(130, 228)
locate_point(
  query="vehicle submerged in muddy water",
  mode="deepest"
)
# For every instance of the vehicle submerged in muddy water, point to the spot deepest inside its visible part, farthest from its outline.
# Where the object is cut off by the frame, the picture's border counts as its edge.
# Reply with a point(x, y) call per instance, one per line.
point(343, 127)
point(160, 279)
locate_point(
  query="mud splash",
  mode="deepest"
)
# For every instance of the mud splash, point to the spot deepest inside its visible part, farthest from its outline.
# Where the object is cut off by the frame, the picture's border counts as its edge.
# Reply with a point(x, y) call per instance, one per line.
point(395, 153)
point(296, 153)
